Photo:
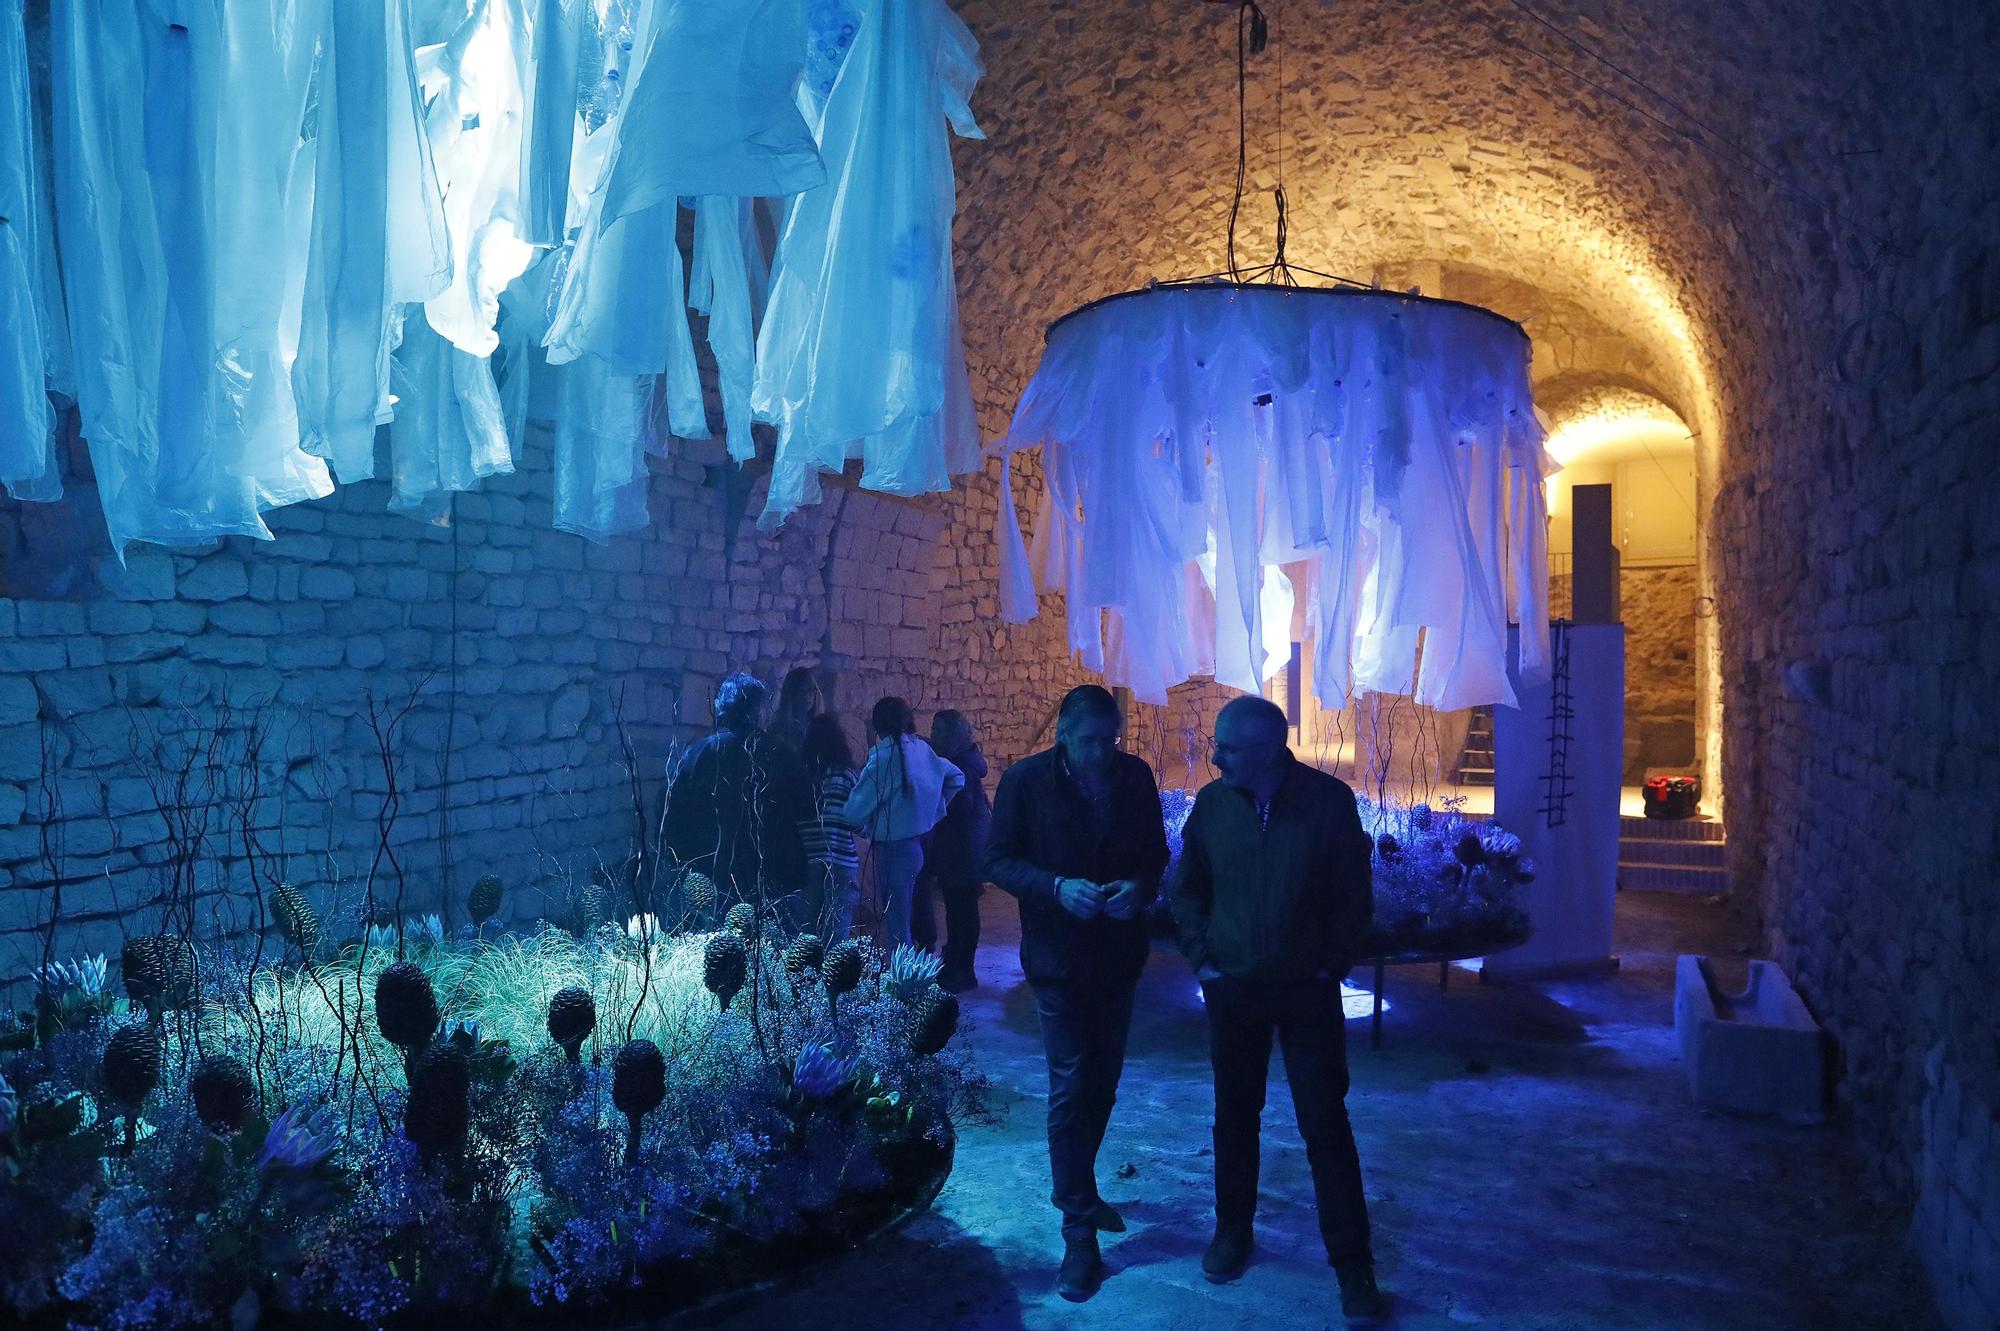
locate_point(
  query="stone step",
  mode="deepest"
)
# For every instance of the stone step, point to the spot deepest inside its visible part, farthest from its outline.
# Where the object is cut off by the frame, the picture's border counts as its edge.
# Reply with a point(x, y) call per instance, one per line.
point(1654, 850)
point(1670, 829)
point(1672, 878)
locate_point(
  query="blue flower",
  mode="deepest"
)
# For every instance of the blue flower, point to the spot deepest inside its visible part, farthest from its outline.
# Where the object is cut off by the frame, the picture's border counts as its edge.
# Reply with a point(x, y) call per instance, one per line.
point(300, 1138)
point(83, 974)
point(819, 1073)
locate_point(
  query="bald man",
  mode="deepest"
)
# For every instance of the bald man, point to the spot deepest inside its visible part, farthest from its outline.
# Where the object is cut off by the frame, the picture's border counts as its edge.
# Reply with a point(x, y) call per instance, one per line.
point(1273, 900)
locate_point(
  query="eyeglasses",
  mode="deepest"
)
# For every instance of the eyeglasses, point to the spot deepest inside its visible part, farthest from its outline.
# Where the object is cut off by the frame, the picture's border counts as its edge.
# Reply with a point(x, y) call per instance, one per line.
point(1217, 749)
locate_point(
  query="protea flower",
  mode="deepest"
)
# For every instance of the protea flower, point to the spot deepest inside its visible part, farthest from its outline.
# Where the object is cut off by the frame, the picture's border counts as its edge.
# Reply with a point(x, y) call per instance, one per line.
point(223, 1093)
point(131, 1071)
point(912, 971)
point(803, 957)
point(406, 1009)
point(159, 972)
point(698, 892)
point(841, 970)
point(439, 1110)
point(83, 975)
point(741, 920)
point(572, 1017)
point(725, 962)
point(820, 1073)
point(300, 1138)
point(933, 1021)
point(482, 903)
point(295, 917)
point(638, 1084)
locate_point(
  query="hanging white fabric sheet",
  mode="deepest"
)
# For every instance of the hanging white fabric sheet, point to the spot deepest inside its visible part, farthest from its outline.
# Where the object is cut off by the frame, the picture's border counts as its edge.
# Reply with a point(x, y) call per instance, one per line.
point(713, 110)
point(1207, 448)
point(29, 357)
point(378, 234)
point(860, 354)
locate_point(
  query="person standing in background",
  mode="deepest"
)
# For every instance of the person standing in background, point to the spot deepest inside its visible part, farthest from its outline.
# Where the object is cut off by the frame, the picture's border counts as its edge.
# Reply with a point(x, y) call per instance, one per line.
point(955, 860)
point(898, 798)
point(833, 864)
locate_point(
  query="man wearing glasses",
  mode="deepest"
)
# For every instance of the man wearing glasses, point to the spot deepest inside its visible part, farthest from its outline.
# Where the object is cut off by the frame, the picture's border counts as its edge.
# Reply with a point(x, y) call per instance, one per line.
point(1077, 836)
point(1273, 899)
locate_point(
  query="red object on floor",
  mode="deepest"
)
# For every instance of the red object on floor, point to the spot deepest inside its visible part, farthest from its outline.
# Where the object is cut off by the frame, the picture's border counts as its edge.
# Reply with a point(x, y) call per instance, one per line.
point(1671, 796)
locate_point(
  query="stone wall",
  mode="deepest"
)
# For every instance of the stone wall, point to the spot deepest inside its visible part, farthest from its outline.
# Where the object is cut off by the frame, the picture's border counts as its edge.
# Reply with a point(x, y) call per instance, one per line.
point(514, 647)
point(1658, 609)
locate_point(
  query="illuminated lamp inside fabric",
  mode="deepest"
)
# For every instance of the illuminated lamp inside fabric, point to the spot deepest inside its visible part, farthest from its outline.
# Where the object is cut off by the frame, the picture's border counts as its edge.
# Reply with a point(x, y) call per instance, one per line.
point(1231, 467)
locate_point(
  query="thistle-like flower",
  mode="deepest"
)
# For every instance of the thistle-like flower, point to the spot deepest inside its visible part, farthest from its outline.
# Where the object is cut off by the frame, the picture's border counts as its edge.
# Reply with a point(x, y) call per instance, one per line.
point(725, 963)
point(912, 971)
point(439, 1111)
point(933, 1021)
point(223, 1093)
point(483, 902)
point(300, 1138)
point(638, 1084)
point(820, 1073)
point(741, 919)
point(82, 975)
point(406, 1009)
point(803, 958)
point(841, 970)
point(572, 1017)
point(296, 918)
point(698, 892)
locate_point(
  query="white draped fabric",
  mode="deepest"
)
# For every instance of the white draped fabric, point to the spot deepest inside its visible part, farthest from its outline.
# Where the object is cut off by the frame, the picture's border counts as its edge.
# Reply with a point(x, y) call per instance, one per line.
point(860, 354)
point(286, 224)
point(1228, 466)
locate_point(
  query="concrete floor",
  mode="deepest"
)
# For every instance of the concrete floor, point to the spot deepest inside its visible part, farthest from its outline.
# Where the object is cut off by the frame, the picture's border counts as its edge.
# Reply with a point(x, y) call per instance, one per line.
point(1532, 1161)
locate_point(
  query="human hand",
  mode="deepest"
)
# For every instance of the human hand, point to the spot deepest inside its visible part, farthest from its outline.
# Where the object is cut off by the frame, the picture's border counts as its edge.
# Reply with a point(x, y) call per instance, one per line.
point(1123, 901)
point(1080, 897)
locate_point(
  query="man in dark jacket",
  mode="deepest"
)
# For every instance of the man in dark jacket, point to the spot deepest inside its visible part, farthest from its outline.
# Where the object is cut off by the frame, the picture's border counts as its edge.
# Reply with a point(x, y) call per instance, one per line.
point(1077, 836)
point(1273, 899)
point(734, 808)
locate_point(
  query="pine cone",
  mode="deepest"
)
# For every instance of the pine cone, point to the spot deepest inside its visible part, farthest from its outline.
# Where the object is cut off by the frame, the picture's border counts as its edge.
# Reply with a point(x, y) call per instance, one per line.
point(223, 1093)
point(842, 967)
point(159, 972)
point(741, 920)
point(933, 1021)
point(803, 957)
point(572, 1017)
point(483, 902)
point(439, 1110)
point(131, 1065)
point(724, 964)
point(698, 891)
point(593, 906)
point(638, 1084)
point(295, 917)
point(406, 1010)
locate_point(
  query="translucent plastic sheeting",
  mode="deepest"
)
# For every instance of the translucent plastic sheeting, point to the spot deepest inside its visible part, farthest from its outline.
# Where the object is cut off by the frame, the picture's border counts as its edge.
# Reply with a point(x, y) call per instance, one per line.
point(860, 354)
point(1229, 467)
point(285, 224)
point(30, 363)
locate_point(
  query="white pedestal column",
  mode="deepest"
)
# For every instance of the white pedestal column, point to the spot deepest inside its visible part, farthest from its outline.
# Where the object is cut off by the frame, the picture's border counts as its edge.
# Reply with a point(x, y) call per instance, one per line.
point(1564, 806)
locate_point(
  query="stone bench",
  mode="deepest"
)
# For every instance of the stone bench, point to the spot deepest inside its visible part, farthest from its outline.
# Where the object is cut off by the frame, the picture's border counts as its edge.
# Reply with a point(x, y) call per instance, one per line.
point(1754, 1052)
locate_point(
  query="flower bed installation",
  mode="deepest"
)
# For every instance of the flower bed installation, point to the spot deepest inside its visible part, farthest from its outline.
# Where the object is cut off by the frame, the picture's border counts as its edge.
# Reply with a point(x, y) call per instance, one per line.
point(540, 1128)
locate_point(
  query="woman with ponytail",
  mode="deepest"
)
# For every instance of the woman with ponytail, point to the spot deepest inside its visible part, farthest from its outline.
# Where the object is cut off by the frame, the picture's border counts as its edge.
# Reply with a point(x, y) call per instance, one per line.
point(902, 792)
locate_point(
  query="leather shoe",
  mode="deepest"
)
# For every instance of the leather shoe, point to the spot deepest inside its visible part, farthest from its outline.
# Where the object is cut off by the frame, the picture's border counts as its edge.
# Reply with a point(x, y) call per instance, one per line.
point(1228, 1253)
point(1106, 1218)
point(1361, 1303)
point(1082, 1268)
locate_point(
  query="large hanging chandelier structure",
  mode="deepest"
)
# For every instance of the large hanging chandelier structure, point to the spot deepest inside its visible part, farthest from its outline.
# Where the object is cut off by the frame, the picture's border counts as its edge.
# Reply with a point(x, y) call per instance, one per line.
point(1239, 461)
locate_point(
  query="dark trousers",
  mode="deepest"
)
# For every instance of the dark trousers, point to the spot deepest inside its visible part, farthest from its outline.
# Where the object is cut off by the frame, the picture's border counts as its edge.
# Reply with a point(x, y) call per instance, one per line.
point(961, 920)
point(1084, 1023)
point(1312, 1031)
